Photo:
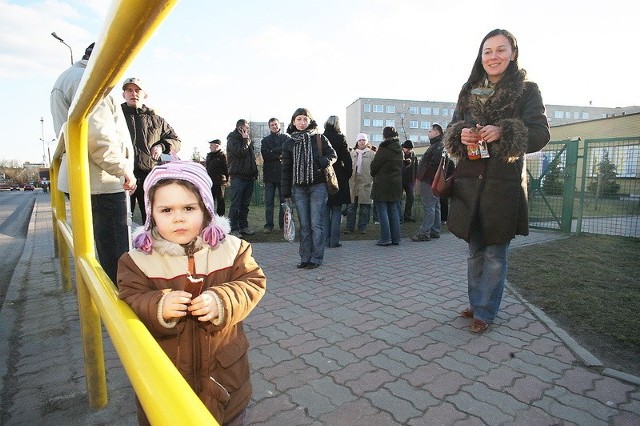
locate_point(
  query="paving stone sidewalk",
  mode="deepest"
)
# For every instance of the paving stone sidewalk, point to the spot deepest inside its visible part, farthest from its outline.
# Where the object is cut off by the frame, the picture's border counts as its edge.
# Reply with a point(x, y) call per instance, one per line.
point(369, 338)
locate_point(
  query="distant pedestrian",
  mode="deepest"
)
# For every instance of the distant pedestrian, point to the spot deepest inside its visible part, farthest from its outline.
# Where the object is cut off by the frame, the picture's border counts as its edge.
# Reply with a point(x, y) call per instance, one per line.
point(303, 178)
point(343, 169)
point(216, 163)
point(386, 169)
point(431, 225)
point(271, 151)
point(192, 286)
point(360, 185)
point(409, 172)
point(243, 172)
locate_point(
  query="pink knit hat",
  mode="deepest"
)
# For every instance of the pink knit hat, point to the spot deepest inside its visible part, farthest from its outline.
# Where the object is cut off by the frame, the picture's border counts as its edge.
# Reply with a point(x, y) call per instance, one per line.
point(189, 171)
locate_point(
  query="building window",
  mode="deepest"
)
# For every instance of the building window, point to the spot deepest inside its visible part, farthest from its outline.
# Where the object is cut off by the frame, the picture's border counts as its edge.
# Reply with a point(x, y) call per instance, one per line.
point(558, 114)
point(378, 108)
point(445, 111)
point(391, 109)
point(366, 122)
point(425, 111)
point(585, 115)
point(436, 111)
point(413, 110)
point(390, 123)
point(425, 124)
point(366, 107)
point(378, 123)
point(567, 114)
point(424, 138)
point(376, 137)
point(413, 124)
point(576, 115)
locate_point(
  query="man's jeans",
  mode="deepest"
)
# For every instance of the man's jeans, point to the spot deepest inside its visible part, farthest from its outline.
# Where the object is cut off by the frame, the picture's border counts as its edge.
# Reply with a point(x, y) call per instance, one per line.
point(269, 195)
point(110, 230)
point(389, 218)
point(431, 223)
point(241, 192)
point(486, 274)
point(311, 203)
point(363, 215)
point(333, 217)
point(408, 200)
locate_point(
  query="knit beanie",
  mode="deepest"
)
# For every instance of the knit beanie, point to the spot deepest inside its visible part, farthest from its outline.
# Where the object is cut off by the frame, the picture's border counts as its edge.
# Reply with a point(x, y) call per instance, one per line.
point(362, 136)
point(407, 144)
point(189, 171)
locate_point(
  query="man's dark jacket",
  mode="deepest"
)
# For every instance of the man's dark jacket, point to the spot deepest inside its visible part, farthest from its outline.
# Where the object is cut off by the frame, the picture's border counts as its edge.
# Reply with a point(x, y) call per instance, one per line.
point(148, 129)
point(271, 150)
point(241, 157)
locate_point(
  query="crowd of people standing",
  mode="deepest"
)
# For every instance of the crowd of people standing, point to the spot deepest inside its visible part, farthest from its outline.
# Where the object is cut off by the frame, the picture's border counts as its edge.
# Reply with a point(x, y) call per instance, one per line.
point(190, 276)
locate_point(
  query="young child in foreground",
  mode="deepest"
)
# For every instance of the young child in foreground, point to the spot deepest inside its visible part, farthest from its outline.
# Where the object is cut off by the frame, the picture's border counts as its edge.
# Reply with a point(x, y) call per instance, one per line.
point(192, 285)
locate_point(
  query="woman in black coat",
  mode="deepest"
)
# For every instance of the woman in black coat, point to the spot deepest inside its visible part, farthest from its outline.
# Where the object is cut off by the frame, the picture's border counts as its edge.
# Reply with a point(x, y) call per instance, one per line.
point(343, 168)
point(499, 118)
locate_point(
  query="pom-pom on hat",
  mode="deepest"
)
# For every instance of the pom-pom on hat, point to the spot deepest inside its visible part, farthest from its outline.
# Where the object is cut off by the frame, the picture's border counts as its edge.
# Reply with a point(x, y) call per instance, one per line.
point(194, 173)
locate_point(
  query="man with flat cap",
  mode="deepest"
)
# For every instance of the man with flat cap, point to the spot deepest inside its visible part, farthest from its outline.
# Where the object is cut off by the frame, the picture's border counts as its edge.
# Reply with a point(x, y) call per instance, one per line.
point(151, 135)
point(216, 163)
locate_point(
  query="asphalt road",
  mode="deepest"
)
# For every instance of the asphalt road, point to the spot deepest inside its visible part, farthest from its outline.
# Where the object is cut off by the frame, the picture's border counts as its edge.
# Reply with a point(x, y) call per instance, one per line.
point(15, 212)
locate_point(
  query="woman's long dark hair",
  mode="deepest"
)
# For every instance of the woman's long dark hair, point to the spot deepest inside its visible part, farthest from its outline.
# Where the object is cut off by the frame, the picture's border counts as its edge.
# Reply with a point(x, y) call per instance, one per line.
point(478, 73)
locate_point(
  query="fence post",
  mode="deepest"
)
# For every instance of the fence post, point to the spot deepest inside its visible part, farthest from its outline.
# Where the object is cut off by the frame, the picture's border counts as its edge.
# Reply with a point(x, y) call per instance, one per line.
point(569, 190)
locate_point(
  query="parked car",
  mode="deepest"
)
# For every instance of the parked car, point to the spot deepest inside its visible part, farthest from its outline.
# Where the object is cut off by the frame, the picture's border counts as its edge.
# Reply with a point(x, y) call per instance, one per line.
point(28, 187)
point(15, 187)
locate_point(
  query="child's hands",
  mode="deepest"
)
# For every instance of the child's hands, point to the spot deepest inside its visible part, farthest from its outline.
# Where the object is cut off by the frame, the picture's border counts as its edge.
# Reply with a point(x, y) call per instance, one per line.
point(175, 304)
point(204, 307)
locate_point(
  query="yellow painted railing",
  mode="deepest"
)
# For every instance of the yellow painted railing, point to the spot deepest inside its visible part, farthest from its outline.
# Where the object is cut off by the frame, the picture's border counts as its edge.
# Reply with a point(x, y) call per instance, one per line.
point(166, 397)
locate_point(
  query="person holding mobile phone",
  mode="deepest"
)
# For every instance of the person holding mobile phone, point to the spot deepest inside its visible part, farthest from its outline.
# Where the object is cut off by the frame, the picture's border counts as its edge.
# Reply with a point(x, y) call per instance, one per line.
point(243, 171)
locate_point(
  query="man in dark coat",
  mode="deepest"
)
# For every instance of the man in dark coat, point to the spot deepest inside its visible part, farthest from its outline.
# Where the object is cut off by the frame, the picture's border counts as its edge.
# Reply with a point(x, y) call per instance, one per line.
point(151, 136)
point(243, 171)
point(216, 164)
point(271, 150)
point(431, 224)
point(409, 171)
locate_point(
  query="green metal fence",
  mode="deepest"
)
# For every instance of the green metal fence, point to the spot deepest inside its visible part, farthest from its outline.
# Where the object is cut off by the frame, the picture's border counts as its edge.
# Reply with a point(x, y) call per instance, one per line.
point(586, 186)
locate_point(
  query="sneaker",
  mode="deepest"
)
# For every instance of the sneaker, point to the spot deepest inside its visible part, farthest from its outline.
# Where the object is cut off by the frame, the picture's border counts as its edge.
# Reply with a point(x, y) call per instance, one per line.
point(420, 237)
point(434, 235)
point(247, 231)
point(363, 231)
point(347, 231)
point(267, 230)
point(236, 234)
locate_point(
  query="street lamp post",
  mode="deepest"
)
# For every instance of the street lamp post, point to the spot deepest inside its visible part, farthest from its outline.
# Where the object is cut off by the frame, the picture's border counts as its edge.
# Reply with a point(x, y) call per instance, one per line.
point(62, 41)
point(44, 152)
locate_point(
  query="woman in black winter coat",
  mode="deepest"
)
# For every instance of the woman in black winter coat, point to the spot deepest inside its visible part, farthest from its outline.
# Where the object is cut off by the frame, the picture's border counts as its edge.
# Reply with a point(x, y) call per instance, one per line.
point(502, 113)
point(303, 164)
point(343, 168)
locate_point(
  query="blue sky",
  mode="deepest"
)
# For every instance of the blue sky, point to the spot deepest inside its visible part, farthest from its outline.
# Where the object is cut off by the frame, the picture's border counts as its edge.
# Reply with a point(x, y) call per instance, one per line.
point(213, 62)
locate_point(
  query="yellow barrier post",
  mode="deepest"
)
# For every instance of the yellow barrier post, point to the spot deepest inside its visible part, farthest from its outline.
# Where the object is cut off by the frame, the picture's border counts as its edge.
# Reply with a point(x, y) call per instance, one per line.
point(59, 213)
point(81, 223)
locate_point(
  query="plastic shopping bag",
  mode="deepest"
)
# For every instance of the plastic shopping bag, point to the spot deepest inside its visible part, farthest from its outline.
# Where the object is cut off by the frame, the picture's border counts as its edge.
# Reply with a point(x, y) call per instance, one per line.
point(289, 226)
